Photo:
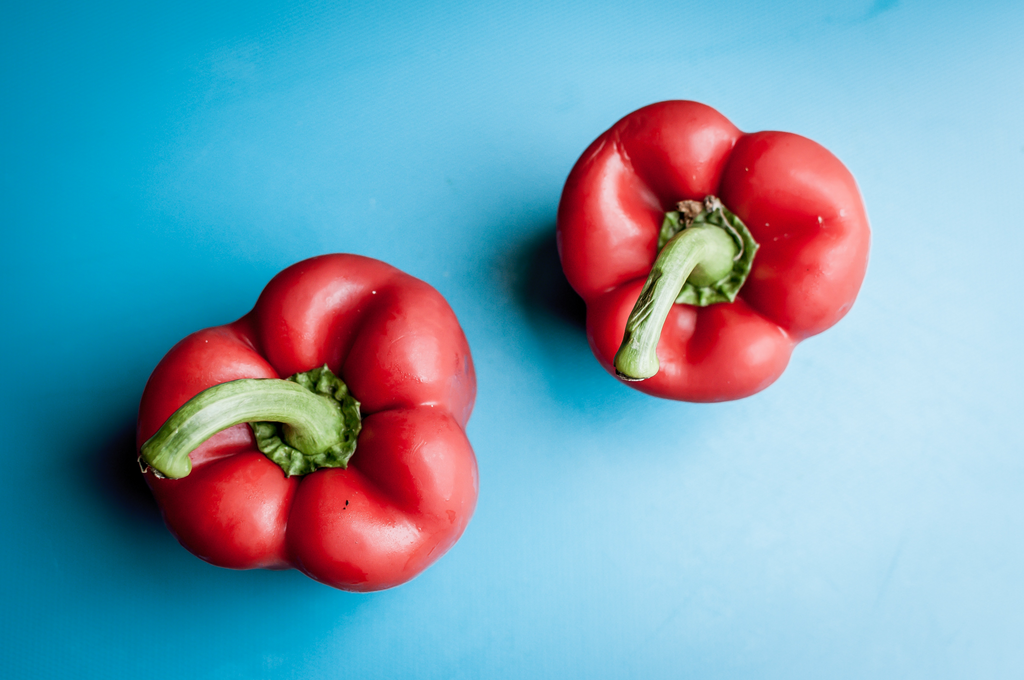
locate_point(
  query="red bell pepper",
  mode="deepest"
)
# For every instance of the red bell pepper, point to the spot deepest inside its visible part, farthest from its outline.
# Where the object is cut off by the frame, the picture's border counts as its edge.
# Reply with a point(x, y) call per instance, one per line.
point(704, 254)
point(283, 492)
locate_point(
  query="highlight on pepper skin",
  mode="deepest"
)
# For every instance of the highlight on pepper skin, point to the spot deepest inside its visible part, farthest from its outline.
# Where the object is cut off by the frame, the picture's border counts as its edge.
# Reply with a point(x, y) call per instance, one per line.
point(322, 431)
point(636, 242)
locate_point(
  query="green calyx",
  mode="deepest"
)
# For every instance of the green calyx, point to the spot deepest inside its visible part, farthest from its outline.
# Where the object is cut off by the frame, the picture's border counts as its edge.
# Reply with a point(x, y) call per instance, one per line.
point(711, 212)
point(705, 254)
point(307, 422)
point(288, 446)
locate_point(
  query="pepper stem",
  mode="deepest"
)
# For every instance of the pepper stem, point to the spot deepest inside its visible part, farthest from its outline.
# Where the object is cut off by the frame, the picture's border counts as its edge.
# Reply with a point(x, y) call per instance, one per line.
point(303, 423)
point(706, 254)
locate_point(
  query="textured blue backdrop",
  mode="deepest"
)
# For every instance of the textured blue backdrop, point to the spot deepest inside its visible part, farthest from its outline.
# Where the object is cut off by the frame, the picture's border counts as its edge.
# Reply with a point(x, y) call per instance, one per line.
point(860, 518)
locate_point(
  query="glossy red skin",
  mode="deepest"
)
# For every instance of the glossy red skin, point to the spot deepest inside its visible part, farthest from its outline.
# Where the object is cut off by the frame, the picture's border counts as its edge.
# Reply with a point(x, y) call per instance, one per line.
point(411, 487)
point(798, 200)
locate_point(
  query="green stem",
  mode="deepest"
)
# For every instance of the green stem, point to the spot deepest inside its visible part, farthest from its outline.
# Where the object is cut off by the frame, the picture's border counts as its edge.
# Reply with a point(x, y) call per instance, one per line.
point(699, 254)
point(705, 256)
point(319, 422)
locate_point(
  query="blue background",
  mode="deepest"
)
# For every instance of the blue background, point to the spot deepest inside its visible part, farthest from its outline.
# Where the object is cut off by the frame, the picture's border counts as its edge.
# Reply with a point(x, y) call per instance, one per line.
point(861, 518)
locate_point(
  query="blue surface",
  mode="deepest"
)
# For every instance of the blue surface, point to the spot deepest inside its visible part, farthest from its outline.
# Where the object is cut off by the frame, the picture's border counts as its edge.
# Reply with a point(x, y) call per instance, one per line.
point(861, 518)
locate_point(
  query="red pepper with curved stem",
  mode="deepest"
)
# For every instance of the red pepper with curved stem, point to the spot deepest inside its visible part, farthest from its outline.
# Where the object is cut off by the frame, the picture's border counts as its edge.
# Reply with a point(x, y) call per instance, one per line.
point(704, 254)
point(360, 495)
